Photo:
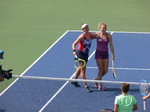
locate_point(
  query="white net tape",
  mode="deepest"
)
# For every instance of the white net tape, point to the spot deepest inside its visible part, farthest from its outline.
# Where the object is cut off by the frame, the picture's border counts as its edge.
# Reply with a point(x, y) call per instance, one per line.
point(78, 80)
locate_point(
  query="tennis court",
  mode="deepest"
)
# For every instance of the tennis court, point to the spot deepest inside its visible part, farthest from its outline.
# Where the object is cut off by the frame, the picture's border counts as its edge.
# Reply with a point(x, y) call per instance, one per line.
point(33, 95)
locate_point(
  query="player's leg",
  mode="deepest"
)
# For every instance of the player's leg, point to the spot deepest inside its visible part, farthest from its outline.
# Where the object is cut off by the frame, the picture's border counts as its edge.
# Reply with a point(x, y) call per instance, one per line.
point(77, 73)
point(102, 70)
point(105, 63)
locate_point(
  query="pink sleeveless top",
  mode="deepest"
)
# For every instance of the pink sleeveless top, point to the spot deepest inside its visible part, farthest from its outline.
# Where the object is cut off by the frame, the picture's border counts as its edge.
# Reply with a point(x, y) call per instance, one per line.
point(102, 44)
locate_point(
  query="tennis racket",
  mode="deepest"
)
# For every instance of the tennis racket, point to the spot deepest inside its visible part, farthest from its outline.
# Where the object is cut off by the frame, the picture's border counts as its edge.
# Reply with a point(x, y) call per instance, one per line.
point(144, 89)
point(79, 63)
point(113, 69)
point(106, 110)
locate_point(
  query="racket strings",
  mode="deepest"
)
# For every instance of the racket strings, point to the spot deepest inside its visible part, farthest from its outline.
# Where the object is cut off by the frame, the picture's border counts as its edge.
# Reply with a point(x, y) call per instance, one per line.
point(144, 88)
point(79, 63)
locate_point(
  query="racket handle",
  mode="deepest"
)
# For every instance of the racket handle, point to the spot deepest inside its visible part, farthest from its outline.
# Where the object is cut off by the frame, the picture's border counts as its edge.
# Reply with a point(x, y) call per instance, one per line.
point(76, 57)
point(144, 105)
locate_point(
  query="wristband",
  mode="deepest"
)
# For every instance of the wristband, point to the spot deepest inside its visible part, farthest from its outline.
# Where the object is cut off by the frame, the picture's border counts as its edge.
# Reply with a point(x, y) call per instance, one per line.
point(74, 50)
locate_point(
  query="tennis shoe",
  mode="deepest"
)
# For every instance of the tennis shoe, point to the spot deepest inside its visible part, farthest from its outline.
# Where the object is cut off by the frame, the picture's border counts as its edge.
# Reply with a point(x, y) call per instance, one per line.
point(96, 84)
point(75, 84)
point(101, 87)
point(87, 89)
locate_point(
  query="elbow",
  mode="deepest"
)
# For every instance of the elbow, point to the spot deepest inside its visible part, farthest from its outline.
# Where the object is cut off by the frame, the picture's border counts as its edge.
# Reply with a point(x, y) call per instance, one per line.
point(135, 107)
point(115, 108)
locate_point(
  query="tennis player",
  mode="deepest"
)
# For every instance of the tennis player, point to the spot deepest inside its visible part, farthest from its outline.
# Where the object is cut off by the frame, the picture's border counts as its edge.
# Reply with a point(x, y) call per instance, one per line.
point(1, 57)
point(101, 55)
point(84, 42)
point(125, 102)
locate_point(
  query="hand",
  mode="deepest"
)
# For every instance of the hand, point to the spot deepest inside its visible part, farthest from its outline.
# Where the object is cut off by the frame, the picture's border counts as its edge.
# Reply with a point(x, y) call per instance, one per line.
point(144, 98)
point(74, 53)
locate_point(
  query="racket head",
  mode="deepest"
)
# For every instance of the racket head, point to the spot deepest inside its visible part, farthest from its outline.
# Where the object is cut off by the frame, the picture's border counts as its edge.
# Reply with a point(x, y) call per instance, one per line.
point(106, 110)
point(143, 87)
point(79, 63)
point(113, 70)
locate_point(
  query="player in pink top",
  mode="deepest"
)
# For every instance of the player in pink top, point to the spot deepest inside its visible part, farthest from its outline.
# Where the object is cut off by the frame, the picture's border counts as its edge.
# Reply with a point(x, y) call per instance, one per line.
point(101, 55)
point(84, 42)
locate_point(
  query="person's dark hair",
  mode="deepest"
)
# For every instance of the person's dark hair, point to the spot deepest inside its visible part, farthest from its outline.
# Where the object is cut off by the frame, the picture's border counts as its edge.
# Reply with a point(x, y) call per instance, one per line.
point(125, 87)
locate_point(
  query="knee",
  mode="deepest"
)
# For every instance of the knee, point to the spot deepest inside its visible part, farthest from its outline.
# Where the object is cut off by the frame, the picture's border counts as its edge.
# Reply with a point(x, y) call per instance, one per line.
point(105, 71)
point(102, 72)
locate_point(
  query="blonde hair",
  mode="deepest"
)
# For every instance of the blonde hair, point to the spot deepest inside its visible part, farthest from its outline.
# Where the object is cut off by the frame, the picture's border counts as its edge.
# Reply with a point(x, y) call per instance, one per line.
point(100, 24)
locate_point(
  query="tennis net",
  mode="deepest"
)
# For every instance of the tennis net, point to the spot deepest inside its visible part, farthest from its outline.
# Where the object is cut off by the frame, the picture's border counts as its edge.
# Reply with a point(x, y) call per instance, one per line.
point(49, 93)
point(78, 80)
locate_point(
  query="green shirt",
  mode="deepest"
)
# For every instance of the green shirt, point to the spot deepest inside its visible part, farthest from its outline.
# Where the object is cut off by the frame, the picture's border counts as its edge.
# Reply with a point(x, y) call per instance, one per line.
point(125, 102)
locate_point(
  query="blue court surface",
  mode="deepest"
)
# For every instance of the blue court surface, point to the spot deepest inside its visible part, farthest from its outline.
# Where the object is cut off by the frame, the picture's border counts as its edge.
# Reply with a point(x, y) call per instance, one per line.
point(132, 53)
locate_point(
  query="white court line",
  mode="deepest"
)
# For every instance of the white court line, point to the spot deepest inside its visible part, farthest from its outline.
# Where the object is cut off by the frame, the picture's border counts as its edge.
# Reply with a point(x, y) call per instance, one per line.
point(146, 69)
point(55, 95)
point(111, 31)
point(49, 101)
point(62, 87)
point(34, 62)
point(52, 46)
